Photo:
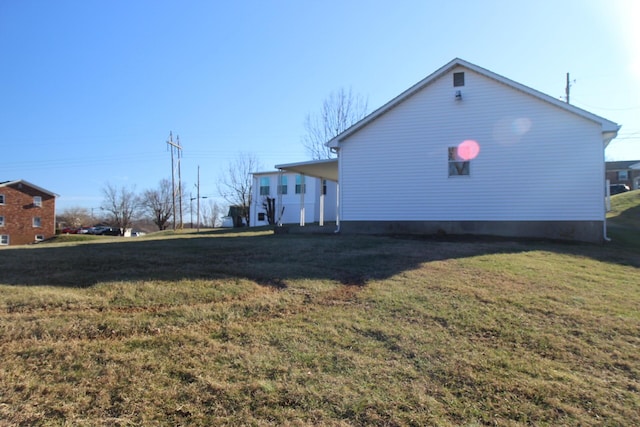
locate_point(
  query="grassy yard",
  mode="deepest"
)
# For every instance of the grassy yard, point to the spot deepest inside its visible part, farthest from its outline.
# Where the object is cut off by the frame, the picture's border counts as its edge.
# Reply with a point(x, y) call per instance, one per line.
point(225, 328)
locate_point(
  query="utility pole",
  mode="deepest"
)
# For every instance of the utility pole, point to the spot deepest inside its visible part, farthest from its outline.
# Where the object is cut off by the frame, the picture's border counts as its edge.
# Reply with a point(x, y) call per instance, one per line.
point(568, 88)
point(175, 146)
point(180, 181)
point(198, 195)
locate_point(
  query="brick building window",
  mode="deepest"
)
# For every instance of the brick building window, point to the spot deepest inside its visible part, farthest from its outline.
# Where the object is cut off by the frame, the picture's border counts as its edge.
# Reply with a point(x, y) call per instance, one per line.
point(37, 201)
point(39, 237)
point(1, 199)
point(4, 239)
point(37, 221)
point(1, 221)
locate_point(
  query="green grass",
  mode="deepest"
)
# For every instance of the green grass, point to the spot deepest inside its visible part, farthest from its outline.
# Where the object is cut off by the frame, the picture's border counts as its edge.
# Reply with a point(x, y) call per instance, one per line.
point(624, 219)
point(251, 328)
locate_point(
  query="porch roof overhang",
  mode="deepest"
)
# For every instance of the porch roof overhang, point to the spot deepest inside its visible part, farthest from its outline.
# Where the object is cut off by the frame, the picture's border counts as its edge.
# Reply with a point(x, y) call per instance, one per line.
point(324, 169)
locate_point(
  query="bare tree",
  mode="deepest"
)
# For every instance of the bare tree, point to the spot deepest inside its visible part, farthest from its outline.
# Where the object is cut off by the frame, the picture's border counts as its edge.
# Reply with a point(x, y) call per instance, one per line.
point(122, 205)
point(339, 111)
point(74, 217)
point(211, 213)
point(158, 203)
point(236, 184)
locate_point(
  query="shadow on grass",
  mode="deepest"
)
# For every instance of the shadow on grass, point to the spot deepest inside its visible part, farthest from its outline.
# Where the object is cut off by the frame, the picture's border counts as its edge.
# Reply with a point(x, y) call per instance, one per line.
point(263, 257)
point(268, 259)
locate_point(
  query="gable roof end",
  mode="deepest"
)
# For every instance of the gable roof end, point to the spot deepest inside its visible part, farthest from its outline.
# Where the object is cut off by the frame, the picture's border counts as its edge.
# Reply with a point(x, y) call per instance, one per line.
point(609, 128)
point(28, 184)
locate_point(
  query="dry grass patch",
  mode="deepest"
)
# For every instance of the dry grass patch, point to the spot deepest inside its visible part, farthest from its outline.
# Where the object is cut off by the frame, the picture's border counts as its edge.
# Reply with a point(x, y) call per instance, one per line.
point(257, 329)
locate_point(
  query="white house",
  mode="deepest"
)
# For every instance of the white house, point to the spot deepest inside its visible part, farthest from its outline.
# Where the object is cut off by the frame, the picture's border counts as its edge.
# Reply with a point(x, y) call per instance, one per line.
point(467, 151)
point(297, 198)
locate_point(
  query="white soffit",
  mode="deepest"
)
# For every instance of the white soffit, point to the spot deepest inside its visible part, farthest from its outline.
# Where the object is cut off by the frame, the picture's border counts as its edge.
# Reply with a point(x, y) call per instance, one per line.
point(325, 169)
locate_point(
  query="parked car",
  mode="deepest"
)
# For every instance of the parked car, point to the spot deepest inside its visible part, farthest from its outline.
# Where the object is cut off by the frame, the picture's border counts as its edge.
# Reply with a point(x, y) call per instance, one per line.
point(618, 188)
point(97, 229)
point(109, 231)
point(69, 230)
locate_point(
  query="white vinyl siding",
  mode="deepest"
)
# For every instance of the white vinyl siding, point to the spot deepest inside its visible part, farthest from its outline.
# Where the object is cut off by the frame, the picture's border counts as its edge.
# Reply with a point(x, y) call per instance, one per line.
point(536, 161)
point(291, 201)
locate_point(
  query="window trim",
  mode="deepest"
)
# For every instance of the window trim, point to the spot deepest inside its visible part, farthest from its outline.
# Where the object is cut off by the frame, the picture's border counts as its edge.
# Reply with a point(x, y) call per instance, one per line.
point(458, 79)
point(36, 221)
point(1, 220)
point(454, 163)
point(301, 184)
point(283, 185)
point(37, 201)
point(39, 237)
point(265, 190)
point(4, 240)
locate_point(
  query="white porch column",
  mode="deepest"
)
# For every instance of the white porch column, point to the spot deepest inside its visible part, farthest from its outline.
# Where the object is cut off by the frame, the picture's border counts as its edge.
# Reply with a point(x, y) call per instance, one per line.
point(279, 192)
point(322, 186)
point(303, 189)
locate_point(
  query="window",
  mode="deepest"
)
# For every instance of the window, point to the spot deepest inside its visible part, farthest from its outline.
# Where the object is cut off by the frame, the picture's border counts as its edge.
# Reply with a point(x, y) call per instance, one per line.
point(37, 221)
point(282, 187)
point(458, 79)
point(457, 165)
point(264, 186)
point(1, 199)
point(300, 186)
point(4, 239)
point(1, 221)
point(37, 201)
point(261, 216)
point(324, 187)
point(39, 237)
point(623, 175)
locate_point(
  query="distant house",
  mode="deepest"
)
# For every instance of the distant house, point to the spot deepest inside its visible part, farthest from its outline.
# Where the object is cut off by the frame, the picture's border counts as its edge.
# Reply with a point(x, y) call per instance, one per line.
point(624, 172)
point(27, 213)
point(468, 151)
point(297, 198)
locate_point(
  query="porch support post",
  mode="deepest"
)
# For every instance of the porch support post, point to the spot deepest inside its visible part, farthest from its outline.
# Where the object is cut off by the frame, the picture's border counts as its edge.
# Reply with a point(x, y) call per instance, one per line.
point(303, 189)
point(279, 207)
point(322, 186)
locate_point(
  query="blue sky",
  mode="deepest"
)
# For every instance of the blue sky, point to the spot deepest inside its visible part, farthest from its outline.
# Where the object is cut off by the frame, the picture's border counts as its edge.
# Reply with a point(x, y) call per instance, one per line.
point(91, 89)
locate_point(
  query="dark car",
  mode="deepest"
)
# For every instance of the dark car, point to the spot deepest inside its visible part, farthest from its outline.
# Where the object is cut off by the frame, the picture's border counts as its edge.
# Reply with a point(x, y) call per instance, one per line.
point(109, 231)
point(618, 188)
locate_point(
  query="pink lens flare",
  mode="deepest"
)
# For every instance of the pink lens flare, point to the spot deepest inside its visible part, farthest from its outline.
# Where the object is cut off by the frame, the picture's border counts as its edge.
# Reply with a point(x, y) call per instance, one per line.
point(468, 149)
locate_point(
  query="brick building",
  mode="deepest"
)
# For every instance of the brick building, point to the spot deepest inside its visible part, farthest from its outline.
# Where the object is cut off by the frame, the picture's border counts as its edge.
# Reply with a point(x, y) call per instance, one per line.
point(27, 213)
point(624, 172)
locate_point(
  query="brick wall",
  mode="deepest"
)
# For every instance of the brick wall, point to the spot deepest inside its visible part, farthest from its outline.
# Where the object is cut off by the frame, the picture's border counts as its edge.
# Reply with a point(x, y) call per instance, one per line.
point(19, 211)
